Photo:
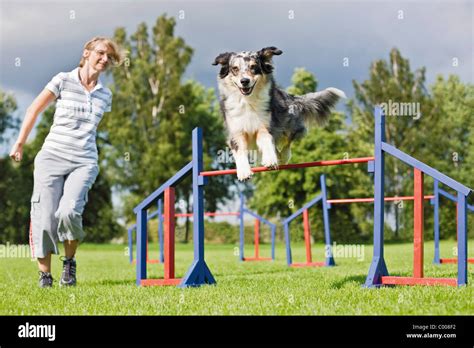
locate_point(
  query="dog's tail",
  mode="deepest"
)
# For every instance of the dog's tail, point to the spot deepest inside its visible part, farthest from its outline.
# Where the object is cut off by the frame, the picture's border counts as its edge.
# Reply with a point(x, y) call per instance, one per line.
point(316, 107)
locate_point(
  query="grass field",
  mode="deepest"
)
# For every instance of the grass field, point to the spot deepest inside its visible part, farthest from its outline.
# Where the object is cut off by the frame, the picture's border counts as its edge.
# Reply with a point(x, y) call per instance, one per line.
point(106, 285)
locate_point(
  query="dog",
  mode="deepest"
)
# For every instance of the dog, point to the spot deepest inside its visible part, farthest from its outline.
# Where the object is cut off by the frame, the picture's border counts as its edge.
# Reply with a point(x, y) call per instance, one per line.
point(258, 114)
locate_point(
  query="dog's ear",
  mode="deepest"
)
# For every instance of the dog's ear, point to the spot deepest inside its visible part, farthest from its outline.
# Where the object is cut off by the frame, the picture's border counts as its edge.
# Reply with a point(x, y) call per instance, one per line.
point(269, 52)
point(223, 60)
point(265, 55)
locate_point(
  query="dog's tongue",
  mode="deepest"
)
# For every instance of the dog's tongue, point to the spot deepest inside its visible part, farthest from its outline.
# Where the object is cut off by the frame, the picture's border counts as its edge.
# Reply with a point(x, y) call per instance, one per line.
point(246, 90)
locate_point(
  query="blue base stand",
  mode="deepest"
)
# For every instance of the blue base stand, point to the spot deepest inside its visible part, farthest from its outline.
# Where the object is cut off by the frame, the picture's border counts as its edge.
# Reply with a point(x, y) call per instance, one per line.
point(198, 274)
point(377, 270)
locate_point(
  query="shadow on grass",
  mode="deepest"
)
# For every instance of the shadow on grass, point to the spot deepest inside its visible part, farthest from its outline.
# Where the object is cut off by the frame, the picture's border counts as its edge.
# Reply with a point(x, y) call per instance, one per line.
point(360, 279)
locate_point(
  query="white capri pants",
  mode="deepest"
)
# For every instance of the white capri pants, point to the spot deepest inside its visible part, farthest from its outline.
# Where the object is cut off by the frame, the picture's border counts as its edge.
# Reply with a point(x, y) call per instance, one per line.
point(59, 197)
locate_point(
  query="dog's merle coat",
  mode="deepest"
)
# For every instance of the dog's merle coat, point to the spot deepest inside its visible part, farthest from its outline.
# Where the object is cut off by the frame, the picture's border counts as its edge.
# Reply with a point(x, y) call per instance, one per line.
point(259, 114)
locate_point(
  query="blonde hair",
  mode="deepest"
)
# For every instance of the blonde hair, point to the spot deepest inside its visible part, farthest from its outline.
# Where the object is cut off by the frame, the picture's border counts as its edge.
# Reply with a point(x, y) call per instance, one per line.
point(117, 55)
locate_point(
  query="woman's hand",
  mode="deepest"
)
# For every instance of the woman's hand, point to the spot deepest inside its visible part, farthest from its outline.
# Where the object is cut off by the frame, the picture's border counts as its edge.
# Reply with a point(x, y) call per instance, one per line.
point(16, 152)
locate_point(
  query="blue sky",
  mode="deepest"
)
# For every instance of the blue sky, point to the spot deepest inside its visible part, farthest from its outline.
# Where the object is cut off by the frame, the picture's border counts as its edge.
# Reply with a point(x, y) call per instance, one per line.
point(48, 37)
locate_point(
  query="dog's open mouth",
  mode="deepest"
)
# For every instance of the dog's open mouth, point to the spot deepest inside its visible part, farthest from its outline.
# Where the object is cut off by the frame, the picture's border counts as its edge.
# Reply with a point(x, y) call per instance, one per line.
point(246, 90)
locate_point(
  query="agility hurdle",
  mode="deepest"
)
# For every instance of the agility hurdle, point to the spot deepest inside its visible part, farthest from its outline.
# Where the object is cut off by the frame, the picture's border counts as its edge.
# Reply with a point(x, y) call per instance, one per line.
point(378, 273)
point(198, 273)
point(159, 213)
point(243, 210)
point(435, 202)
point(258, 219)
point(326, 205)
point(307, 232)
point(160, 237)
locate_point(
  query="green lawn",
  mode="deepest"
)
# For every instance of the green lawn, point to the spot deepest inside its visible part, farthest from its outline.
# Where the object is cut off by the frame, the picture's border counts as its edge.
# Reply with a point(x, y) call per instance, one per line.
point(106, 285)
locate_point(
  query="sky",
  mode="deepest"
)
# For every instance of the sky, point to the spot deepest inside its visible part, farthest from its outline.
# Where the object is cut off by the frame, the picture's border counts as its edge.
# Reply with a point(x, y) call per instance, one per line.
point(47, 36)
point(39, 38)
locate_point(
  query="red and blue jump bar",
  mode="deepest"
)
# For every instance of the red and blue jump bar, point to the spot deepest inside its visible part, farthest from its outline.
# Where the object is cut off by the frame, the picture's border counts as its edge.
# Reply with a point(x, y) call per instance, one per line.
point(378, 272)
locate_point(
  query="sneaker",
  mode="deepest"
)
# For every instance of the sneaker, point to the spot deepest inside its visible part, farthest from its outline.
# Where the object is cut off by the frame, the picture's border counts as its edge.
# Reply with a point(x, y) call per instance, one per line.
point(68, 277)
point(45, 280)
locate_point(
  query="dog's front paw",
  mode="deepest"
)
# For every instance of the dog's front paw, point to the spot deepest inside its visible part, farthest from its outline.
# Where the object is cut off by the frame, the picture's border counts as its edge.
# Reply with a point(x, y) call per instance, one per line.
point(270, 162)
point(244, 174)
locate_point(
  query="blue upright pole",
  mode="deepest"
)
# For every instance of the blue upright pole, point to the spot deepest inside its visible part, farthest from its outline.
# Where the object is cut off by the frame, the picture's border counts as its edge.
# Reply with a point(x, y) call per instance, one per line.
point(141, 245)
point(378, 267)
point(242, 235)
point(130, 244)
point(286, 228)
point(160, 230)
point(273, 227)
point(327, 233)
point(198, 273)
point(436, 222)
point(462, 239)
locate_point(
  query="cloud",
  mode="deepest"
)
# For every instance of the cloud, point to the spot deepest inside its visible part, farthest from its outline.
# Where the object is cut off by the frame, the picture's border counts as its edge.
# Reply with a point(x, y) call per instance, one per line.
point(48, 36)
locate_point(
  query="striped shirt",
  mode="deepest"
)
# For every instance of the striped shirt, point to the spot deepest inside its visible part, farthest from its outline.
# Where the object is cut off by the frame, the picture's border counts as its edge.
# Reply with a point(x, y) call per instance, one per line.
point(78, 113)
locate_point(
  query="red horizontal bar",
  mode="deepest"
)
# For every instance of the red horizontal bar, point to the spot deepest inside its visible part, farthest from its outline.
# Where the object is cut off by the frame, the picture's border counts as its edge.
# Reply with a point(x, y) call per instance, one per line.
point(454, 260)
point(208, 214)
point(308, 264)
point(418, 281)
point(257, 259)
point(148, 261)
point(368, 200)
point(160, 282)
point(222, 214)
point(292, 166)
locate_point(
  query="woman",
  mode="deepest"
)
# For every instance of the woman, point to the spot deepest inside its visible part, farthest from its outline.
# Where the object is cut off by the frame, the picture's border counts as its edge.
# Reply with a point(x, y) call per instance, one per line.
point(67, 164)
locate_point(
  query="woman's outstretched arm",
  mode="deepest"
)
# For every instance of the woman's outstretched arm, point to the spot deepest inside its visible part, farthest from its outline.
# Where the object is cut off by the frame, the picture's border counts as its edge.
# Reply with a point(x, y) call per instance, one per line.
point(39, 104)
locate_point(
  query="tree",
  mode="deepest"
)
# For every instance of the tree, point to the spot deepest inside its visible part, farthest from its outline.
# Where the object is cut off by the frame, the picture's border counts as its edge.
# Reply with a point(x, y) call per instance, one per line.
point(303, 82)
point(433, 136)
point(392, 82)
point(7, 120)
point(452, 142)
point(147, 137)
point(15, 185)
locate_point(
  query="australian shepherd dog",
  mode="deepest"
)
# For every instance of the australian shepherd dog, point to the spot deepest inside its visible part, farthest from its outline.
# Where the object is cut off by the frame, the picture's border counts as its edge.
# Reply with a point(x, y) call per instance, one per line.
point(259, 115)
